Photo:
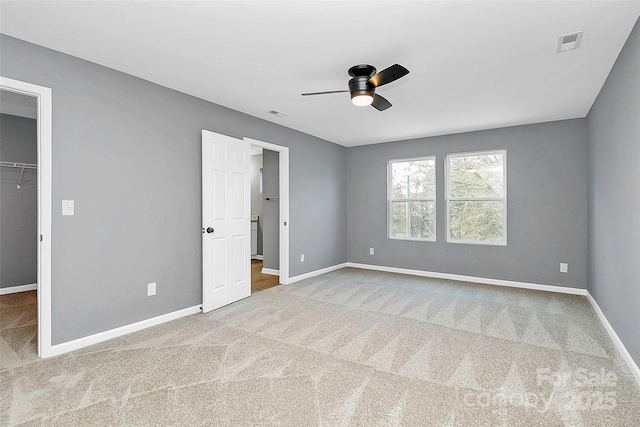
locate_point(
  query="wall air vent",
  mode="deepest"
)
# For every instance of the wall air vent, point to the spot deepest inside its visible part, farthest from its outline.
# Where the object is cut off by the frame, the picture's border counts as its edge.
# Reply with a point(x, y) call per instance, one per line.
point(569, 41)
point(277, 113)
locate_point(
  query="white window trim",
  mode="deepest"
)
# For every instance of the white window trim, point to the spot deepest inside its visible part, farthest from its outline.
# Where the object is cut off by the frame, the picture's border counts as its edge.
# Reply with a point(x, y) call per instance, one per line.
point(421, 199)
point(449, 199)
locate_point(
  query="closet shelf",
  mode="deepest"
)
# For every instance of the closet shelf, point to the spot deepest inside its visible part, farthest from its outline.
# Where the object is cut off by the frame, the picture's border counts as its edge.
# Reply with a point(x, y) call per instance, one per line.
point(21, 166)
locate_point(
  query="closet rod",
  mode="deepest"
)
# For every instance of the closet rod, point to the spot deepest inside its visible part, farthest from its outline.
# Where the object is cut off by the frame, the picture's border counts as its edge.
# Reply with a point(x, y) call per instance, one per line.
point(18, 165)
point(21, 166)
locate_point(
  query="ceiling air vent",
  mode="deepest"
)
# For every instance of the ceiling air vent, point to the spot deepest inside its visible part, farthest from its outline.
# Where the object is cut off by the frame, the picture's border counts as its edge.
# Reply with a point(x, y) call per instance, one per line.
point(569, 41)
point(277, 113)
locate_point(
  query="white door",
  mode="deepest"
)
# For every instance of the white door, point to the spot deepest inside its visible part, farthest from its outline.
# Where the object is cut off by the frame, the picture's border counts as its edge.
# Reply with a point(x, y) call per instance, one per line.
point(226, 233)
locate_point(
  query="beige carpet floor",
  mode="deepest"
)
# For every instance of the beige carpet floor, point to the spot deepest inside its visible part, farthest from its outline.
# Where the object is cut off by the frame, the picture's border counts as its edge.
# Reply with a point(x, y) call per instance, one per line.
point(18, 328)
point(351, 347)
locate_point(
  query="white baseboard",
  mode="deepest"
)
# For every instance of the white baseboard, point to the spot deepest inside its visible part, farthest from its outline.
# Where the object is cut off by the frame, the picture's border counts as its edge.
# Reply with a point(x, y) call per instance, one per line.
point(316, 273)
point(19, 288)
point(123, 330)
point(260, 257)
point(483, 280)
point(271, 271)
point(616, 339)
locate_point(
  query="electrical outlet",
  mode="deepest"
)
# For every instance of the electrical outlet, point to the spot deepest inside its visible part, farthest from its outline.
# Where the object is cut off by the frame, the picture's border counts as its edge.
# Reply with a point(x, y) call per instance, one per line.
point(151, 289)
point(301, 257)
point(371, 251)
point(564, 267)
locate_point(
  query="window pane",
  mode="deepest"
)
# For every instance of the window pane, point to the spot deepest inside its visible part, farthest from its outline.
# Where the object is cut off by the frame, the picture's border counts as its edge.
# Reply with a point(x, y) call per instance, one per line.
point(423, 224)
point(477, 176)
point(413, 179)
point(419, 216)
point(399, 219)
point(481, 221)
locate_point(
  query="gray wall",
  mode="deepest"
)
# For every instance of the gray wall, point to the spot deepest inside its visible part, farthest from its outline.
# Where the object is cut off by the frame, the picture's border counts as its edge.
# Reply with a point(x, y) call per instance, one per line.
point(129, 153)
point(256, 195)
point(614, 196)
point(18, 207)
point(271, 209)
point(546, 206)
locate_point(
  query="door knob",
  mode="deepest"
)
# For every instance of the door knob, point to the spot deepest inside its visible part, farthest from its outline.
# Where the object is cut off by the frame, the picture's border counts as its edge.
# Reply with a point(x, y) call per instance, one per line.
point(209, 230)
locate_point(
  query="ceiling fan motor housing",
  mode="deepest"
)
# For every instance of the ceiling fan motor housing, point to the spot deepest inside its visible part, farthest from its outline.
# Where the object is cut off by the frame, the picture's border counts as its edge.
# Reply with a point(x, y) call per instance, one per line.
point(359, 84)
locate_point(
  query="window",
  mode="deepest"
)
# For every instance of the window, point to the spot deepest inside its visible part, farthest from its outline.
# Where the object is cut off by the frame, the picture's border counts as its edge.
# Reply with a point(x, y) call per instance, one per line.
point(476, 197)
point(412, 199)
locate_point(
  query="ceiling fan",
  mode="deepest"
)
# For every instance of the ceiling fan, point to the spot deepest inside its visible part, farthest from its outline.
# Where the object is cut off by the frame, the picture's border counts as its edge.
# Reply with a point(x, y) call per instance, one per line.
point(364, 82)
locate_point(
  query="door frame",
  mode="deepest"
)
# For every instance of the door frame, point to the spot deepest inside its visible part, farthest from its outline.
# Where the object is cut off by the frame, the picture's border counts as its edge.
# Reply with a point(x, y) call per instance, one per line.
point(283, 231)
point(45, 164)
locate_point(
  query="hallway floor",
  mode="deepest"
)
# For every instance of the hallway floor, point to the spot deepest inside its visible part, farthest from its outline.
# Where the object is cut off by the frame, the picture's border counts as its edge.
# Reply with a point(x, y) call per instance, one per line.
point(260, 281)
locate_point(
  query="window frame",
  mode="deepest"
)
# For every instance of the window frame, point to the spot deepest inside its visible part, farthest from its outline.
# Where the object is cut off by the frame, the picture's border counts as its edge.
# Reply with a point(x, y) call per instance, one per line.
point(390, 198)
point(449, 199)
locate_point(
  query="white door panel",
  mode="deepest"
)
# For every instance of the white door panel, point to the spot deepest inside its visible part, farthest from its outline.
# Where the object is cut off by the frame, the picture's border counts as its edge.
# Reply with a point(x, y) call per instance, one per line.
point(226, 222)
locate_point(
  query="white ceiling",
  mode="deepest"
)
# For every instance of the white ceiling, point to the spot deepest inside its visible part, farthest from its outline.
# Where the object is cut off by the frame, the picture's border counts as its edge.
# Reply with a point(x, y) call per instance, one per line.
point(473, 65)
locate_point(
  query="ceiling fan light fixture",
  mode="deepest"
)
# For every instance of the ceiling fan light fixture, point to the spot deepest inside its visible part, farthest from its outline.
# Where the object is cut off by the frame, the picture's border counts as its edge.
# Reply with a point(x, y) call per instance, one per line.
point(362, 99)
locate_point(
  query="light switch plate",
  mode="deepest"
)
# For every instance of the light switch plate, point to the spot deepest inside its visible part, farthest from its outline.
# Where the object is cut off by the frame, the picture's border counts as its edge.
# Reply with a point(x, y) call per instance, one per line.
point(68, 207)
point(564, 267)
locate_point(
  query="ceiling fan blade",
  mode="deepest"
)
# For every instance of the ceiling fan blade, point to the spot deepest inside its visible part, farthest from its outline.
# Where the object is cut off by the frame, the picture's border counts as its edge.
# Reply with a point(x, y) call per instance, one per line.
point(388, 75)
point(324, 93)
point(380, 103)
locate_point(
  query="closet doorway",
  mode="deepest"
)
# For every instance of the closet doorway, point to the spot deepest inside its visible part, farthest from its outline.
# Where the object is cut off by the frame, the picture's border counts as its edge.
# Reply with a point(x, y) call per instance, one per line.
point(25, 227)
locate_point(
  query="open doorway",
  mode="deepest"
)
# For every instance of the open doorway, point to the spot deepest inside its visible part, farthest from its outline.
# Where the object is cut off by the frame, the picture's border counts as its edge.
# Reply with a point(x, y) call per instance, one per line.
point(25, 201)
point(270, 213)
point(265, 233)
point(18, 227)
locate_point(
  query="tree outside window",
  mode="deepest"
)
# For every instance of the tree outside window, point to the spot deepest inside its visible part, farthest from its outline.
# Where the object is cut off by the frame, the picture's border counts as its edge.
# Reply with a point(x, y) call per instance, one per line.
point(476, 198)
